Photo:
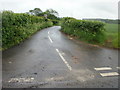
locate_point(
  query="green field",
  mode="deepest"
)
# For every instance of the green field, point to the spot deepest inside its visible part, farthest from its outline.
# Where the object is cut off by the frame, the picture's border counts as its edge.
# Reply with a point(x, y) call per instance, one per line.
point(112, 36)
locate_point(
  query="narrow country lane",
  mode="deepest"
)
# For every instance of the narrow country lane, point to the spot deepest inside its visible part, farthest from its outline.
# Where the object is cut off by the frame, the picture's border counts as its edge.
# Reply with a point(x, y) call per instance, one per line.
point(49, 59)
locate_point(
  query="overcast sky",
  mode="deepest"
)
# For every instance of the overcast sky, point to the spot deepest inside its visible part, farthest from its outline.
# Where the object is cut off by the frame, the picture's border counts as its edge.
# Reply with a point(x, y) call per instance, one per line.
point(79, 9)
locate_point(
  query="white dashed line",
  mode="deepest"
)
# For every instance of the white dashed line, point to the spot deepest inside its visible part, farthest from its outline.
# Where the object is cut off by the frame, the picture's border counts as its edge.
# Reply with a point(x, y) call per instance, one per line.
point(50, 39)
point(109, 74)
point(69, 67)
point(118, 67)
point(21, 80)
point(10, 62)
point(48, 32)
point(103, 68)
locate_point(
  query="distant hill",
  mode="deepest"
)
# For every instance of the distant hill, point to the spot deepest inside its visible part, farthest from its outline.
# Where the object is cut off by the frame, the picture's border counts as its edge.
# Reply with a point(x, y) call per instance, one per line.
point(111, 21)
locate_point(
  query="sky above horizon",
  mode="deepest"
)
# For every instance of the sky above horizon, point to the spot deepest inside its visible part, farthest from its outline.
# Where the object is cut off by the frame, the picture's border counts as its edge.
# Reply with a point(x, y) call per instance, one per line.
point(107, 9)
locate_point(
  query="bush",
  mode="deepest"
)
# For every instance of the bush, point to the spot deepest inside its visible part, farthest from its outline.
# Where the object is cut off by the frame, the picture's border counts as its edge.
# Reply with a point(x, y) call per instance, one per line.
point(55, 22)
point(17, 27)
point(90, 31)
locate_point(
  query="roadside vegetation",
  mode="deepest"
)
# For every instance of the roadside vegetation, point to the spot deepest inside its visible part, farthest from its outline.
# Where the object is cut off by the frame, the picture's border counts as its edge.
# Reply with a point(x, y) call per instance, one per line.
point(89, 31)
point(16, 27)
point(112, 35)
point(49, 13)
point(92, 31)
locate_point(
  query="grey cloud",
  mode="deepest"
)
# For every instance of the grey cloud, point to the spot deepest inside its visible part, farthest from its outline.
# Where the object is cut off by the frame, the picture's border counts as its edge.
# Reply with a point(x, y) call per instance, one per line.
point(107, 7)
point(75, 8)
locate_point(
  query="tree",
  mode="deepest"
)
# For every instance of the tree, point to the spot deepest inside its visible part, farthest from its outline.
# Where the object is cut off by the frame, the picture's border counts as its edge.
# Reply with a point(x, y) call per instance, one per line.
point(48, 14)
point(51, 14)
point(36, 11)
point(51, 11)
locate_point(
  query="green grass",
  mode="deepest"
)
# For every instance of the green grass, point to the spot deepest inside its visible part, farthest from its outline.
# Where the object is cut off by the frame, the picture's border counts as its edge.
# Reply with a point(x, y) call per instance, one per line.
point(112, 36)
point(112, 28)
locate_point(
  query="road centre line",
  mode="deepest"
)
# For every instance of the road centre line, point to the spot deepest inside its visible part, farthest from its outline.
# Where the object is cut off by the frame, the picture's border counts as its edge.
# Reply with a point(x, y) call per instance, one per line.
point(10, 62)
point(48, 32)
point(103, 68)
point(109, 74)
point(21, 80)
point(118, 67)
point(69, 67)
point(50, 39)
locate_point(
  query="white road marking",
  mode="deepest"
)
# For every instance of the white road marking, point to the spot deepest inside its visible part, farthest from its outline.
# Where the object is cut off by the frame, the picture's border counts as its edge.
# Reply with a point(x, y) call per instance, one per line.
point(69, 67)
point(50, 39)
point(48, 32)
point(71, 38)
point(55, 79)
point(118, 67)
point(109, 74)
point(21, 80)
point(32, 78)
point(10, 62)
point(103, 68)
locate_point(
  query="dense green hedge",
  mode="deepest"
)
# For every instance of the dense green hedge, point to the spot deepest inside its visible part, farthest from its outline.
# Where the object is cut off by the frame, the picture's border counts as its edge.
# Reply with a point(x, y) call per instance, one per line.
point(90, 31)
point(17, 27)
point(55, 22)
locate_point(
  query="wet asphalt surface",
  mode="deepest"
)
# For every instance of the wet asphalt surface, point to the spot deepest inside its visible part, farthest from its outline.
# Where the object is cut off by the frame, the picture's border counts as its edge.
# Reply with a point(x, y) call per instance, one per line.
point(36, 63)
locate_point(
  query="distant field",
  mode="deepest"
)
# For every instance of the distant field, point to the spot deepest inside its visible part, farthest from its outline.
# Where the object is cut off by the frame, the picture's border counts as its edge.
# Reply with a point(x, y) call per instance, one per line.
point(112, 35)
point(112, 28)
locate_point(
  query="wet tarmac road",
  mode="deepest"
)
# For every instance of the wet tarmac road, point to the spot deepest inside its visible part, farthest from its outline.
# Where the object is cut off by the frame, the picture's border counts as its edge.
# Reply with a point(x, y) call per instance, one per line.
point(49, 59)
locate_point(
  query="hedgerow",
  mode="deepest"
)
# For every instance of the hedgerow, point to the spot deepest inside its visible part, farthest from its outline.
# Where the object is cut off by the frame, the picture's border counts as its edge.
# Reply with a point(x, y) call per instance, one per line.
point(90, 31)
point(55, 22)
point(17, 27)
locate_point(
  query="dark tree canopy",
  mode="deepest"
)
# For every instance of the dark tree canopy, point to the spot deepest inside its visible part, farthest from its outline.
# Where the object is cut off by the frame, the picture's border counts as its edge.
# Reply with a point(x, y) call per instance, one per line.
point(36, 11)
point(48, 14)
